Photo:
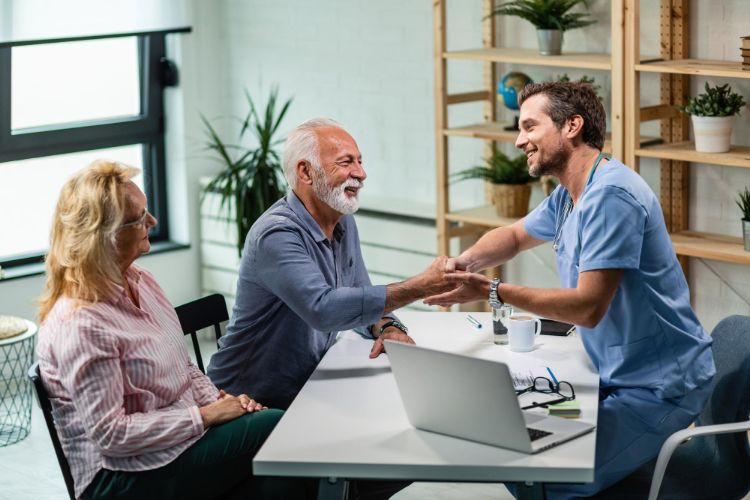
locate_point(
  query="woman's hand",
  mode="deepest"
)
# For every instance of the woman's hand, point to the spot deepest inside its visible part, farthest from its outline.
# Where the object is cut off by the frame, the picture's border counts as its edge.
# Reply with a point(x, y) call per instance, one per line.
point(227, 408)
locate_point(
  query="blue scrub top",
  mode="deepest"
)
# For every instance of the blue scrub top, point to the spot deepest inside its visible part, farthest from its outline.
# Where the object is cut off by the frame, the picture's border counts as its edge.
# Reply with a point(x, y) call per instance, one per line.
point(649, 337)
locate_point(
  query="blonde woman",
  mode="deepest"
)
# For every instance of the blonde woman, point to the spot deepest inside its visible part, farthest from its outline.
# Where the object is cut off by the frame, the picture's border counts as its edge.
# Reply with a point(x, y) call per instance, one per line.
point(136, 418)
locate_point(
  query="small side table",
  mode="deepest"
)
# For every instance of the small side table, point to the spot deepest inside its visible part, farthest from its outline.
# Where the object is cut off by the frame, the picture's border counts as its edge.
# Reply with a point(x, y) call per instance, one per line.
point(16, 355)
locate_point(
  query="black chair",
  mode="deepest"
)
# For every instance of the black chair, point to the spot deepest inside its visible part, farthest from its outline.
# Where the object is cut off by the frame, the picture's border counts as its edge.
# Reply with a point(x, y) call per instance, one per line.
point(200, 314)
point(46, 406)
point(712, 459)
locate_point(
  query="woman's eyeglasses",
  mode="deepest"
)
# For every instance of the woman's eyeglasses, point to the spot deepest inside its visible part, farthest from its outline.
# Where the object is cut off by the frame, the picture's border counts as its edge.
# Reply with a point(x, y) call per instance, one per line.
point(140, 221)
point(546, 386)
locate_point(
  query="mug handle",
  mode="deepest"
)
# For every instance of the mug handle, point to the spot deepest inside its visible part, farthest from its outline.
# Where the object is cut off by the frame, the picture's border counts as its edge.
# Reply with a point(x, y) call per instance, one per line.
point(538, 328)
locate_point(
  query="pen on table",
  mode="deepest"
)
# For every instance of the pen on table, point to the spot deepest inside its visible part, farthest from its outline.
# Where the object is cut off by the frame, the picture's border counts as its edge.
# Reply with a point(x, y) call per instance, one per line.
point(474, 321)
point(554, 379)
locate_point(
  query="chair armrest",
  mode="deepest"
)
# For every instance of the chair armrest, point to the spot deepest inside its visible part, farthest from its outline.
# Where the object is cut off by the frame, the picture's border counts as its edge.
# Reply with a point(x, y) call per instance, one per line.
point(680, 437)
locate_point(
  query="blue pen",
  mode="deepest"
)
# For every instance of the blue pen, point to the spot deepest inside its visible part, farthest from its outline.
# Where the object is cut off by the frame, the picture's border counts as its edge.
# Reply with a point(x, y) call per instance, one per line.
point(554, 379)
point(474, 321)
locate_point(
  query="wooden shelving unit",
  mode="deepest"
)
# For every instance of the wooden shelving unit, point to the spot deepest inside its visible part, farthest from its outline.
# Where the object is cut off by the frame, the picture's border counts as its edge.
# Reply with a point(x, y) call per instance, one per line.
point(578, 60)
point(710, 246)
point(450, 223)
point(737, 156)
point(677, 152)
point(703, 67)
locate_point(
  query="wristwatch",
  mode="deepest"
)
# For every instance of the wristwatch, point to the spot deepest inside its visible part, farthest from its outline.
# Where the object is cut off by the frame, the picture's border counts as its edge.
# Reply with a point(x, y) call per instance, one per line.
point(495, 301)
point(396, 323)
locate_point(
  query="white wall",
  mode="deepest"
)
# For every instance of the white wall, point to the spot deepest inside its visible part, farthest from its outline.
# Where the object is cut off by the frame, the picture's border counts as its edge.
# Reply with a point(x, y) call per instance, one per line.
point(370, 65)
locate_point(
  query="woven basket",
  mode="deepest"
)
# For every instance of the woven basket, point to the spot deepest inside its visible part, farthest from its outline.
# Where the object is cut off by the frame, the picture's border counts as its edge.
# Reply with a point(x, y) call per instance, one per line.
point(511, 200)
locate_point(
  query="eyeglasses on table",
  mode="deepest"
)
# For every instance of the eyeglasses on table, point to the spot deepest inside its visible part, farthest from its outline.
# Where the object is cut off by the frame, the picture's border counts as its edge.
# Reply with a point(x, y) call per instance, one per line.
point(544, 385)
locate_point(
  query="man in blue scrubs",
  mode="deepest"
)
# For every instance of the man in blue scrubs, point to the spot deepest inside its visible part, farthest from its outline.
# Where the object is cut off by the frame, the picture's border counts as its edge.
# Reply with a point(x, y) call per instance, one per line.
point(621, 282)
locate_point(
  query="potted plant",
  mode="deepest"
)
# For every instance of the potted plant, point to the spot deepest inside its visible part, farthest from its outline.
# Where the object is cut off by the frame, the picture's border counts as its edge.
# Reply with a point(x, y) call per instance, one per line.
point(510, 179)
point(712, 115)
point(590, 80)
point(550, 17)
point(253, 177)
point(743, 201)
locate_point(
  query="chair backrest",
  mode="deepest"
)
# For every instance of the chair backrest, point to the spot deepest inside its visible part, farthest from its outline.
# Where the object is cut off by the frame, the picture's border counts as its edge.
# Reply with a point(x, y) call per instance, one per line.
point(46, 406)
point(730, 399)
point(202, 313)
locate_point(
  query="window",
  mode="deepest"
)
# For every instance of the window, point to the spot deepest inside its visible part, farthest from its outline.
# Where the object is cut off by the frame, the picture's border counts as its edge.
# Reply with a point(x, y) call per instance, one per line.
point(66, 102)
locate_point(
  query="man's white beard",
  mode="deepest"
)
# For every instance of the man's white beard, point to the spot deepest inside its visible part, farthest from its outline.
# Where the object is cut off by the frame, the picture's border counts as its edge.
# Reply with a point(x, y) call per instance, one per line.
point(336, 197)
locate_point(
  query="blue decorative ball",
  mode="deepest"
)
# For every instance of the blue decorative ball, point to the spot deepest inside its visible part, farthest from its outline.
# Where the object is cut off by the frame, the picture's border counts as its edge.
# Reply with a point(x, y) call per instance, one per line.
point(510, 86)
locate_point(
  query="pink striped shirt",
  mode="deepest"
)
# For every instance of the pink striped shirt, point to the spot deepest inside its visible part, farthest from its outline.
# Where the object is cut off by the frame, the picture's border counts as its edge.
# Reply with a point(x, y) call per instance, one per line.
point(124, 392)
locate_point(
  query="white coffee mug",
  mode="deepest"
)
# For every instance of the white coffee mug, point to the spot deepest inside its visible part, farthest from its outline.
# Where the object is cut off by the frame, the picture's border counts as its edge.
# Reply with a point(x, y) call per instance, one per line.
point(522, 332)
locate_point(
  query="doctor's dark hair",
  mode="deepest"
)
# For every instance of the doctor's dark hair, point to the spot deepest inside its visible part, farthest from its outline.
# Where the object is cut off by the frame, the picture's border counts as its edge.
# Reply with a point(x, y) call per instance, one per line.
point(566, 99)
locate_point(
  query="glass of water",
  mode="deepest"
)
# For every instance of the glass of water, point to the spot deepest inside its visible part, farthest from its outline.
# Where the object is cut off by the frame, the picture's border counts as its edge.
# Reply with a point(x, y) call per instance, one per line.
point(500, 319)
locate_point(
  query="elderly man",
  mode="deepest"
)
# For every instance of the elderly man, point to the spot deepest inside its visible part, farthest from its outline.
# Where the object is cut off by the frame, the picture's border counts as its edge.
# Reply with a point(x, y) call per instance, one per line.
point(302, 278)
point(621, 282)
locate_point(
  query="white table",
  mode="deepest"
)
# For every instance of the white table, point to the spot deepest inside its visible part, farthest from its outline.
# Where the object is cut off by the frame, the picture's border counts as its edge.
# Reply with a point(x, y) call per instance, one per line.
point(349, 422)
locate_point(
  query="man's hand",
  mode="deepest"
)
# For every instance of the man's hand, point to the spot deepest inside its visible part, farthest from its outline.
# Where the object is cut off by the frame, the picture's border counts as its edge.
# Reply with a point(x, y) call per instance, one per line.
point(475, 287)
point(390, 333)
point(440, 276)
point(227, 408)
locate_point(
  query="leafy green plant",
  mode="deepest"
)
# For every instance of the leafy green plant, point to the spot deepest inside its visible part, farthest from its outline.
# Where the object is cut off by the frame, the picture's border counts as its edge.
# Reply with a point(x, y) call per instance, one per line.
point(716, 101)
point(584, 79)
point(547, 14)
point(743, 201)
point(500, 169)
point(253, 176)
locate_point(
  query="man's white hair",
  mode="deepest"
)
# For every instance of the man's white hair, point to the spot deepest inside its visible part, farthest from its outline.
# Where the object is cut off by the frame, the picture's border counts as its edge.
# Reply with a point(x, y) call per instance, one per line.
point(302, 144)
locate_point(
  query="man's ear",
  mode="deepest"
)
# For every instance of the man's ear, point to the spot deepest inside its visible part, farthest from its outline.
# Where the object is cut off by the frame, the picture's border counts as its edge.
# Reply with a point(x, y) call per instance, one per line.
point(575, 127)
point(304, 172)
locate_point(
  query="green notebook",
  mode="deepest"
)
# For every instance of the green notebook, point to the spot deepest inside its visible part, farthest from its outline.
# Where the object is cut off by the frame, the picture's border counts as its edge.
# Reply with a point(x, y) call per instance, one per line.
point(568, 409)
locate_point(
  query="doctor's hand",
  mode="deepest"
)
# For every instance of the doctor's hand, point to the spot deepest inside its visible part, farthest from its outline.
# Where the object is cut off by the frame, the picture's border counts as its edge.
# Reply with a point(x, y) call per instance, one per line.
point(474, 287)
point(439, 277)
point(390, 333)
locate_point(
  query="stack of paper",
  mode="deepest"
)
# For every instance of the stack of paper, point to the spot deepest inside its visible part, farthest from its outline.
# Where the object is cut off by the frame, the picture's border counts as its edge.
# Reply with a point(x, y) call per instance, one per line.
point(566, 409)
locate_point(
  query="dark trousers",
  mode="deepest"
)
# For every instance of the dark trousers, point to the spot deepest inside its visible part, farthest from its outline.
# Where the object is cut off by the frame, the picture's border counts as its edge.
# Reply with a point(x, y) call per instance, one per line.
point(218, 466)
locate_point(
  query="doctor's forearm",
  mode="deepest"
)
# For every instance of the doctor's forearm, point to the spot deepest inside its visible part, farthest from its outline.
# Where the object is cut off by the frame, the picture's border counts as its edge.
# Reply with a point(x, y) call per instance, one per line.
point(493, 249)
point(561, 304)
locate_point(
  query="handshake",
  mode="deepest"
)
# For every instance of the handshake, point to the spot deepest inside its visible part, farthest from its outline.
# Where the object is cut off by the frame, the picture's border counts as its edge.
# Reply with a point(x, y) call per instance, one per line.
point(448, 281)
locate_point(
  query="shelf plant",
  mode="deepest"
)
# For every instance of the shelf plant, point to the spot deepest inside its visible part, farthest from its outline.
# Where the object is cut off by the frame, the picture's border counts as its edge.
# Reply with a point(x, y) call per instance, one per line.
point(551, 18)
point(584, 79)
point(510, 179)
point(712, 115)
point(253, 176)
point(743, 201)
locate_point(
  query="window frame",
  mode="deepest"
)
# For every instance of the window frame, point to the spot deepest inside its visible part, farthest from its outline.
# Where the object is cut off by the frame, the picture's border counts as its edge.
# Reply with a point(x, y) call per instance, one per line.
point(146, 129)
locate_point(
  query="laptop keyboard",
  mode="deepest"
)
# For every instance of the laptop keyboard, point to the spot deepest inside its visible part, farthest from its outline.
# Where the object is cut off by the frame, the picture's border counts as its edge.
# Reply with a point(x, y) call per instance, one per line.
point(535, 434)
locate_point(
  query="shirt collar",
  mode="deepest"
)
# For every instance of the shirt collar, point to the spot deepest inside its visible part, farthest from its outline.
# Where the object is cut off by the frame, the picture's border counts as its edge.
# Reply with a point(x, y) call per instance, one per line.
point(309, 222)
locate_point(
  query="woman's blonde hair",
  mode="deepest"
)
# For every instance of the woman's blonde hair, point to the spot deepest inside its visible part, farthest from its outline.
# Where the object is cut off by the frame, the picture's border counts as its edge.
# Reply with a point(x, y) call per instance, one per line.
point(82, 259)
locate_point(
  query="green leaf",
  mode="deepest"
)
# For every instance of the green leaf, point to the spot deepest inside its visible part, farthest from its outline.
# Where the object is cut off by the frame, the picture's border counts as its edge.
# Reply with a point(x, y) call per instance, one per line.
point(547, 14)
point(253, 176)
point(500, 169)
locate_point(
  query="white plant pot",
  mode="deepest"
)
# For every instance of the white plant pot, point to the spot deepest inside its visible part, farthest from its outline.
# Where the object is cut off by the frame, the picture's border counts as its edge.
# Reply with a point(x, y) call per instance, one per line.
point(712, 133)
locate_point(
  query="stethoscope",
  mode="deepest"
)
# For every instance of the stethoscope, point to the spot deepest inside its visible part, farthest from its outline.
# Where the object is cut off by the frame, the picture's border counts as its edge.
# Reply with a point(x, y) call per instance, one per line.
point(563, 215)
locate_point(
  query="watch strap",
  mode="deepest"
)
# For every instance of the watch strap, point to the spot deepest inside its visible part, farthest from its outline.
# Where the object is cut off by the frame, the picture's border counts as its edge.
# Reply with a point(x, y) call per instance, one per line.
point(395, 323)
point(494, 299)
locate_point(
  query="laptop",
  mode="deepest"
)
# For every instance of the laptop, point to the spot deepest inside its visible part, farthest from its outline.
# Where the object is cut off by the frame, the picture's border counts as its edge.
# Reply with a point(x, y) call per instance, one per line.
point(473, 399)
